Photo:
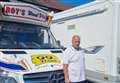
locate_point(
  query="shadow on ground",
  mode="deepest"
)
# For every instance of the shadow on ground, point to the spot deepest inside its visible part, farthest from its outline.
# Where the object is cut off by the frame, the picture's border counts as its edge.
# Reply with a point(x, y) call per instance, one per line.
point(89, 81)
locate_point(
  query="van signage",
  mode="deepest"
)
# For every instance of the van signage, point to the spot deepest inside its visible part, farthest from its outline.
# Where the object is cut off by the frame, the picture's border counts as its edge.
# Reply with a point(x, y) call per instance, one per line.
point(25, 12)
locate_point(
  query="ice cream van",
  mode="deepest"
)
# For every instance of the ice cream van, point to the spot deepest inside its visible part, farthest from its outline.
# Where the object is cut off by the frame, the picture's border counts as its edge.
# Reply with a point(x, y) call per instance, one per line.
point(29, 52)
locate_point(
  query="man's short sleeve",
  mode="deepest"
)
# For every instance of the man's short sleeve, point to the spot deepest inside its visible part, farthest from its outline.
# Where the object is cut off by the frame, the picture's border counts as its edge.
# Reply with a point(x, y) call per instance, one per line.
point(66, 55)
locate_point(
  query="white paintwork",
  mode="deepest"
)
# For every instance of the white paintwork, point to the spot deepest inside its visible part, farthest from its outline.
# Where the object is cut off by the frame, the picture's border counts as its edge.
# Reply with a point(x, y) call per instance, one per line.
point(97, 29)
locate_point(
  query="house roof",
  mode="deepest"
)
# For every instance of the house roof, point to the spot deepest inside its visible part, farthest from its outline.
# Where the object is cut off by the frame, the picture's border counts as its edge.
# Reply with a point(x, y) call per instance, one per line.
point(55, 4)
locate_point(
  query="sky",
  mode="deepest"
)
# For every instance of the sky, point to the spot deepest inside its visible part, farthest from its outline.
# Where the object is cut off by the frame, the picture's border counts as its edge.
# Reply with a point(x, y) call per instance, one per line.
point(75, 2)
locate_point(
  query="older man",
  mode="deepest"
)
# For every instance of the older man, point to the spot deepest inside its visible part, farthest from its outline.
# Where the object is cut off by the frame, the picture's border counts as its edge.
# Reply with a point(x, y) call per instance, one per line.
point(74, 62)
point(74, 66)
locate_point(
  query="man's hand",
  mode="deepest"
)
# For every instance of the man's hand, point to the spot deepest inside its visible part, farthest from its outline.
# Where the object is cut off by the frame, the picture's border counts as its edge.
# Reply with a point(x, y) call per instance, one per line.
point(67, 81)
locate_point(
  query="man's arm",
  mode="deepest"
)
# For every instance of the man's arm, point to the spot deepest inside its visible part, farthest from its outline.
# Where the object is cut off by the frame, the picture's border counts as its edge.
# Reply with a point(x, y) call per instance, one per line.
point(66, 75)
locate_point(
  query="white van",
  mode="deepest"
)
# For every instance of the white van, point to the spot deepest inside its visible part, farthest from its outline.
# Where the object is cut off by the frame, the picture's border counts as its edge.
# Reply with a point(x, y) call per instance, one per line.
point(98, 23)
point(29, 52)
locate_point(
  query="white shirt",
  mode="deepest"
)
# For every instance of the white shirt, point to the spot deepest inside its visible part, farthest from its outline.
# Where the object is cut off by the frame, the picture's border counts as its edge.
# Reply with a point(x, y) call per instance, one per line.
point(76, 64)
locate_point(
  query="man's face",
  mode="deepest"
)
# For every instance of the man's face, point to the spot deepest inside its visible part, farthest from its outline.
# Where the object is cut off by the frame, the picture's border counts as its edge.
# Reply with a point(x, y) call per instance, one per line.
point(76, 42)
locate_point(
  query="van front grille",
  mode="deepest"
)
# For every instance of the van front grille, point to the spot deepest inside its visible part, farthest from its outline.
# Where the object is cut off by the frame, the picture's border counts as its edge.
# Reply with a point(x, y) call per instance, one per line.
point(45, 77)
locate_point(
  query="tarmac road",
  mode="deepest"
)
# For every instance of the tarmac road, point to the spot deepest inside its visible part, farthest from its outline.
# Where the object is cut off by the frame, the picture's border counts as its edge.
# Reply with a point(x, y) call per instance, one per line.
point(89, 81)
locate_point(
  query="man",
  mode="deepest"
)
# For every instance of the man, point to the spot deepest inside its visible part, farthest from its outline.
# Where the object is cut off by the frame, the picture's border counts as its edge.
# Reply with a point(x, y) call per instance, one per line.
point(73, 62)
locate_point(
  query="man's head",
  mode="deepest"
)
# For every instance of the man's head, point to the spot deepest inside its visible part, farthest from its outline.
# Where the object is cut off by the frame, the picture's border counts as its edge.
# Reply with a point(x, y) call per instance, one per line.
point(76, 41)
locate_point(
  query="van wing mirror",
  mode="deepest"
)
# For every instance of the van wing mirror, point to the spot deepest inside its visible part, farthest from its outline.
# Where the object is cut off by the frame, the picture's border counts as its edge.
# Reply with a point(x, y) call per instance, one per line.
point(59, 43)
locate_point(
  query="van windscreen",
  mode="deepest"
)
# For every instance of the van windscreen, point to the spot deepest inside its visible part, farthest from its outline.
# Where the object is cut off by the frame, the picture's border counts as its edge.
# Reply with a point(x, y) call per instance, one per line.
point(25, 36)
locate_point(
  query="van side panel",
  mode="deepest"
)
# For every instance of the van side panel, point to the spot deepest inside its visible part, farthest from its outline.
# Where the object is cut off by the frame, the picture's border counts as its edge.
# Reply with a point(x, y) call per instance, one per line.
point(94, 29)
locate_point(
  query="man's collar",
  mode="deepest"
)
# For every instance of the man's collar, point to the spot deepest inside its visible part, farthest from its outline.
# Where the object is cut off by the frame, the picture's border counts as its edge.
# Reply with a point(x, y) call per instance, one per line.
point(77, 49)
